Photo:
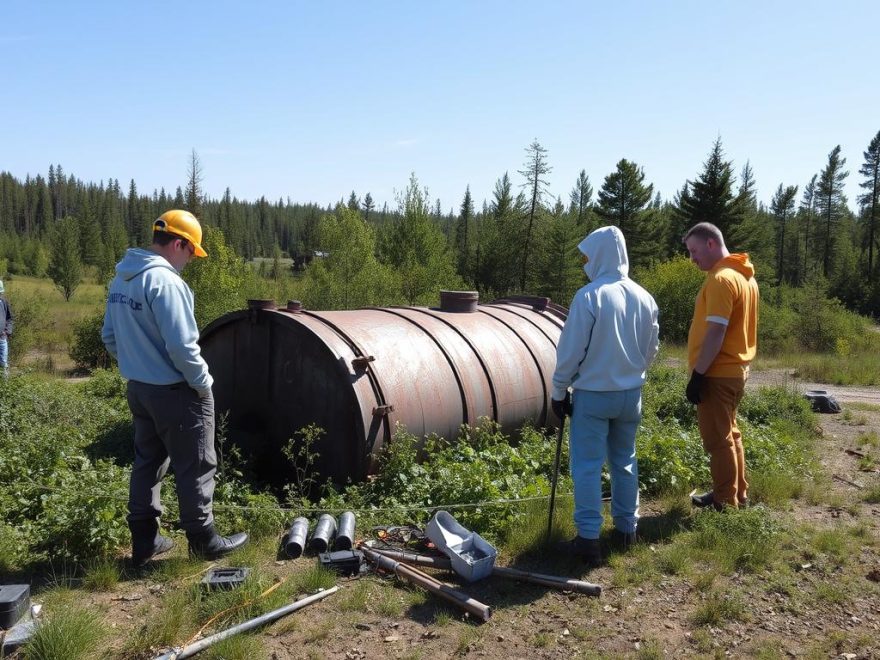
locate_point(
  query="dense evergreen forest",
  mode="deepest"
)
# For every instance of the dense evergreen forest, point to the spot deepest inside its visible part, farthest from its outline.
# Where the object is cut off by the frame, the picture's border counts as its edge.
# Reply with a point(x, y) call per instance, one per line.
point(521, 239)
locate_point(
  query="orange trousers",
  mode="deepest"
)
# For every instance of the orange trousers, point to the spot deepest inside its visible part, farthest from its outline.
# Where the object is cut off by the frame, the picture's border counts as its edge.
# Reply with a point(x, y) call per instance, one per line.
point(722, 440)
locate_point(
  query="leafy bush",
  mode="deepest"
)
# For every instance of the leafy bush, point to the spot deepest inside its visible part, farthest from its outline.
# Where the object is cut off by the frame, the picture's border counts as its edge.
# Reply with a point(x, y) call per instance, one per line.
point(87, 350)
point(32, 325)
point(674, 285)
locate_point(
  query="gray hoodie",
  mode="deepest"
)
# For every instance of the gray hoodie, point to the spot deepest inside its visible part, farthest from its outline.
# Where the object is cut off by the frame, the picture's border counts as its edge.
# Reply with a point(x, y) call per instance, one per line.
point(149, 325)
point(611, 335)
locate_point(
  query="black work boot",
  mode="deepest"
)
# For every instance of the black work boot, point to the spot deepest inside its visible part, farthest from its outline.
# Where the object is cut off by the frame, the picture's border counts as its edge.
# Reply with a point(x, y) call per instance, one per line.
point(146, 541)
point(706, 500)
point(586, 550)
point(624, 540)
point(208, 544)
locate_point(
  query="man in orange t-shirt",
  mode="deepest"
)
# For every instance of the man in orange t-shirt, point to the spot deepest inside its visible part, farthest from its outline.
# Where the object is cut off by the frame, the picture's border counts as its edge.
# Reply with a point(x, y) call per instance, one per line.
point(721, 344)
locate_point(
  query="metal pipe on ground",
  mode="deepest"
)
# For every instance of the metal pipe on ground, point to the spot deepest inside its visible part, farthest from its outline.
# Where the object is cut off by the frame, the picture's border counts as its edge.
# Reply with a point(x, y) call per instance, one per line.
point(428, 583)
point(345, 532)
point(556, 582)
point(323, 534)
point(295, 541)
point(268, 617)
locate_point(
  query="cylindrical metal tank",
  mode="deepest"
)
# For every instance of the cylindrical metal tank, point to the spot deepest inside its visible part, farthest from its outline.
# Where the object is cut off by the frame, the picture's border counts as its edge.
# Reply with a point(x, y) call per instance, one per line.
point(358, 374)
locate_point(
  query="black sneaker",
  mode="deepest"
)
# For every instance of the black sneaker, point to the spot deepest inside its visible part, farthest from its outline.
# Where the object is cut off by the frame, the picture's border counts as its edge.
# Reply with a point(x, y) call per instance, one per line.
point(587, 550)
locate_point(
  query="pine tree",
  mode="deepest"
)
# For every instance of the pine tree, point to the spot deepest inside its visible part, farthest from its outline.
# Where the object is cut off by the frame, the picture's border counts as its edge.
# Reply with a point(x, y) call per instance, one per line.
point(65, 266)
point(782, 208)
point(559, 271)
point(535, 168)
point(870, 200)
point(581, 200)
point(463, 235)
point(353, 202)
point(622, 201)
point(369, 206)
point(830, 203)
point(710, 198)
point(90, 238)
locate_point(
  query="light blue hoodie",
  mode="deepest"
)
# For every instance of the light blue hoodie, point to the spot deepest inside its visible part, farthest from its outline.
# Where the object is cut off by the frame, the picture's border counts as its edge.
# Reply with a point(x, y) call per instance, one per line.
point(611, 334)
point(150, 311)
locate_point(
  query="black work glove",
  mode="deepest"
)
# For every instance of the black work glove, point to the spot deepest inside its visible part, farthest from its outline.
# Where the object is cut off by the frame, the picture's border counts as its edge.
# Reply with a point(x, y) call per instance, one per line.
point(562, 407)
point(695, 384)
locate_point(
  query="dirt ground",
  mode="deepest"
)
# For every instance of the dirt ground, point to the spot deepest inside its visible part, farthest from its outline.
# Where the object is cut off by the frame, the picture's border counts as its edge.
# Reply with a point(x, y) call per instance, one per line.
point(650, 619)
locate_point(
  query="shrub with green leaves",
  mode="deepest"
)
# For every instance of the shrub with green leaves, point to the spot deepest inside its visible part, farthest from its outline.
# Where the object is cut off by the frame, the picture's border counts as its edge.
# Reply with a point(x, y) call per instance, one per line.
point(87, 349)
point(674, 285)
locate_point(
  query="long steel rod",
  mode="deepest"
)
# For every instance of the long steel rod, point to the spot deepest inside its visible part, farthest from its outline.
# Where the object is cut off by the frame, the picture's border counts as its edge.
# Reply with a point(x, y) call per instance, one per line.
point(268, 617)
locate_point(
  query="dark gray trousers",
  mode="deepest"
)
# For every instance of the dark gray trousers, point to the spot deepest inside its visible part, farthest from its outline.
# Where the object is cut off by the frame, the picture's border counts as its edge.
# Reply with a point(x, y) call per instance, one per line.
point(172, 425)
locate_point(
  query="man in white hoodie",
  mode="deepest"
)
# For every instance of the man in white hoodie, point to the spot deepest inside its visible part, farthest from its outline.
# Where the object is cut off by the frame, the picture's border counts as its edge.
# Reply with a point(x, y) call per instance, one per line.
point(150, 328)
point(609, 340)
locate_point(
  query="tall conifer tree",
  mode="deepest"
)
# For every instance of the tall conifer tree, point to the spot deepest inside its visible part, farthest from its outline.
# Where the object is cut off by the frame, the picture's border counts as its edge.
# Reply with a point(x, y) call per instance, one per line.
point(870, 200)
point(830, 203)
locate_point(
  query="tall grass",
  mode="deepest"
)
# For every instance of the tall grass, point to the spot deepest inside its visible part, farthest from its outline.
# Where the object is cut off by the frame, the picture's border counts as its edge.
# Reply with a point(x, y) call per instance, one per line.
point(70, 633)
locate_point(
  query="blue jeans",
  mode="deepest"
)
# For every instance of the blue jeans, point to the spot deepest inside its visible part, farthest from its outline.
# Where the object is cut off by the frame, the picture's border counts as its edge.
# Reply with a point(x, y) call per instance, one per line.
point(4, 357)
point(604, 425)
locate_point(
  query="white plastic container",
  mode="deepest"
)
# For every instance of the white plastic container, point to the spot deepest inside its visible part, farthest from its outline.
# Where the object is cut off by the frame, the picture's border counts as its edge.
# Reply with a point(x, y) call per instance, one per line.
point(473, 558)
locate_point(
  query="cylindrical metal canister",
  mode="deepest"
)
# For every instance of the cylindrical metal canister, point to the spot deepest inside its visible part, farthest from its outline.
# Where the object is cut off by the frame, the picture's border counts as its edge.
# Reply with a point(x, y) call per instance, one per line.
point(345, 532)
point(295, 539)
point(323, 534)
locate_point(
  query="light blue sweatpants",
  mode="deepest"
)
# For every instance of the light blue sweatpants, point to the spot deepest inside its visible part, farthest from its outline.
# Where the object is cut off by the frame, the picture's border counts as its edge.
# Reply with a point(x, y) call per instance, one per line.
point(603, 426)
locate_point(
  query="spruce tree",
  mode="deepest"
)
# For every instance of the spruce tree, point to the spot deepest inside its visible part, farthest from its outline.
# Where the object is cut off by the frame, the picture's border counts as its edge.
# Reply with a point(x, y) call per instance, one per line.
point(369, 206)
point(622, 201)
point(581, 200)
point(830, 204)
point(65, 265)
point(535, 169)
point(782, 208)
point(870, 200)
point(463, 235)
point(195, 176)
point(710, 198)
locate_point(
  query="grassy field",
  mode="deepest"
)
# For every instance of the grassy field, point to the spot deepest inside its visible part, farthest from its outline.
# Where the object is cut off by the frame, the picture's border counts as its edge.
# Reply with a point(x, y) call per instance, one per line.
point(45, 320)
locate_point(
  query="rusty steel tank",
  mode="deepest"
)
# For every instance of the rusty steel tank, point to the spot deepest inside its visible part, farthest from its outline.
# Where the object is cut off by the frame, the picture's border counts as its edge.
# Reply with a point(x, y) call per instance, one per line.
point(358, 374)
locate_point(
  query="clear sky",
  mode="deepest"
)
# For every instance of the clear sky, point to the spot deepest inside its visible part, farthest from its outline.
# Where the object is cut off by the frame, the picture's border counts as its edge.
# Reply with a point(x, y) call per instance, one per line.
point(311, 100)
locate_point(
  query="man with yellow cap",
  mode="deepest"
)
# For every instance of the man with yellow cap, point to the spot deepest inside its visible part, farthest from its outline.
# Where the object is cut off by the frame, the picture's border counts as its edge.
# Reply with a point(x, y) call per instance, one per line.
point(150, 328)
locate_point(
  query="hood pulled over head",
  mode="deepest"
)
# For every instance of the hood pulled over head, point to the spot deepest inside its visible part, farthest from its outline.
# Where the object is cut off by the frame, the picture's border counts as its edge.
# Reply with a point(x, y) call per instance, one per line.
point(605, 249)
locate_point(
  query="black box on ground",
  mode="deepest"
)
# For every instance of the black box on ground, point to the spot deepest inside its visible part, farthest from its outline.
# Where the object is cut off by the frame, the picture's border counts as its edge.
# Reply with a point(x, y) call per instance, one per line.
point(343, 562)
point(225, 578)
point(15, 599)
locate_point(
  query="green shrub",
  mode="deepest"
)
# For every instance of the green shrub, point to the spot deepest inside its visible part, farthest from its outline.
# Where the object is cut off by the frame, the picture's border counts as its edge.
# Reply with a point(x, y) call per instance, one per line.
point(674, 285)
point(87, 350)
point(33, 327)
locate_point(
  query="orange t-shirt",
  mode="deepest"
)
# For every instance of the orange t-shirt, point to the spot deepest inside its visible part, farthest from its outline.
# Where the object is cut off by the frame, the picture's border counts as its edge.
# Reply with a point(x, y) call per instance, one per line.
point(729, 296)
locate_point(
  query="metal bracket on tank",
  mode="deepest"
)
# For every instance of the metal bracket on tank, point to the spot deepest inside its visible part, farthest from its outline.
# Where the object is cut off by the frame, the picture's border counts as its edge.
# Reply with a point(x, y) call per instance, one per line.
point(382, 411)
point(360, 363)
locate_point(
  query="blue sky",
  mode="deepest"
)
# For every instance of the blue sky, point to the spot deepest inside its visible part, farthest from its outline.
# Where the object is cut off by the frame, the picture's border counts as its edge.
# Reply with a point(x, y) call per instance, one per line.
point(311, 100)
